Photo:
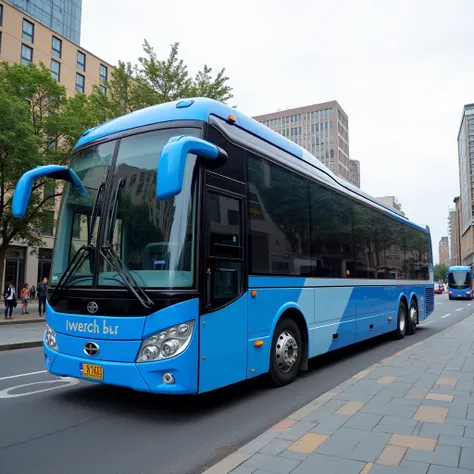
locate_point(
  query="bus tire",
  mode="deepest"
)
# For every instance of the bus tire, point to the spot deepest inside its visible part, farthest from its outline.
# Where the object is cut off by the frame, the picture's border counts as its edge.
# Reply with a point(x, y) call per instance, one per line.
point(401, 321)
point(412, 319)
point(286, 353)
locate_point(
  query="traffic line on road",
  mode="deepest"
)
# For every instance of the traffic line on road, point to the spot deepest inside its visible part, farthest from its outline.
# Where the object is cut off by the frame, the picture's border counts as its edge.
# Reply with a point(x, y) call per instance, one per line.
point(459, 309)
point(22, 375)
point(446, 315)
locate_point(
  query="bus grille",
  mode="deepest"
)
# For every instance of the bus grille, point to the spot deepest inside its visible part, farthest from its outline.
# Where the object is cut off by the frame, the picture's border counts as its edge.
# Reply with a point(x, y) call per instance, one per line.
point(429, 297)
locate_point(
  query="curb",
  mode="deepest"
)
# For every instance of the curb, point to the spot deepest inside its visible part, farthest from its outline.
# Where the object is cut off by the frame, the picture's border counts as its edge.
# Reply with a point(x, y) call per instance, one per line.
point(21, 321)
point(234, 460)
point(20, 345)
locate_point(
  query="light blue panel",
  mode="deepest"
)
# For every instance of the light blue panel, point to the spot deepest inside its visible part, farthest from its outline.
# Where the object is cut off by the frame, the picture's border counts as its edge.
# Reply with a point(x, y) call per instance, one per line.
point(172, 315)
point(223, 346)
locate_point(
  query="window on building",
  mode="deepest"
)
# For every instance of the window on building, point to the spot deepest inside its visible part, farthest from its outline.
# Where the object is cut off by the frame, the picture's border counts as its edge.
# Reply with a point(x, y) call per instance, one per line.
point(80, 83)
point(56, 69)
point(57, 47)
point(1, 15)
point(28, 32)
point(103, 73)
point(0, 41)
point(103, 89)
point(48, 223)
point(26, 54)
point(81, 61)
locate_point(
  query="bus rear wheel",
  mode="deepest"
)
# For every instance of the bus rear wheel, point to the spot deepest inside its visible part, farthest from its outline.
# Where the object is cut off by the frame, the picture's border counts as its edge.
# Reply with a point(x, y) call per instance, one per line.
point(412, 319)
point(286, 353)
point(401, 321)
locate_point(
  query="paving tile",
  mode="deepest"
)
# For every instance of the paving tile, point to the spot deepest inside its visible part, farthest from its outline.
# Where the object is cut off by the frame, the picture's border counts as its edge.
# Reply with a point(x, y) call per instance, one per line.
point(393, 424)
point(447, 470)
point(405, 402)
point(433, 430)
point(274, 464)
point(361, 397)
point(259, 442)
point(405, 467)
point(328, 465)
point(431, 414)
point(466, 461)
point(415, 442)
point(297, 431)
point(276, 447)
point(386, 379)
point(458, 410)
point(294, 455)
point(363, 421)
point(327, 409)
point(350, 408)
point(440, 396)
point(440, 403)
point(417, 393)
point(243, 470)
point(391, 455)
point(446, 381)
point(367, 468)
point(308, 443)
point(442, 455)
point(459, 441)
point(389, 410)
point(367, 451)
point(284, 425)
point(330, 424)
point(469, 433)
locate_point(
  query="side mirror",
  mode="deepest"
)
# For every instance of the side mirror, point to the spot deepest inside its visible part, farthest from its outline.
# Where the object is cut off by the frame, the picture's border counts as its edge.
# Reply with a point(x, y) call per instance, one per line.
point(169, 181)
point(447, 275)
point(24, 187)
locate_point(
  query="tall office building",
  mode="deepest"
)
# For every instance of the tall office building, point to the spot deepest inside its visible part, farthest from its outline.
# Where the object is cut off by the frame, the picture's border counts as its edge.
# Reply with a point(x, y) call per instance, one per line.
point(466, 181)
point(444, 251)
point(323, 130)
point(454, 226)
point(393, 202)
point(62, 16)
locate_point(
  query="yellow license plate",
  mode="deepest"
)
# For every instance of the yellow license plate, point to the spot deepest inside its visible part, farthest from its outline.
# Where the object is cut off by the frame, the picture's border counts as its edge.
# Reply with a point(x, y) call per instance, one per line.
point(91, 371)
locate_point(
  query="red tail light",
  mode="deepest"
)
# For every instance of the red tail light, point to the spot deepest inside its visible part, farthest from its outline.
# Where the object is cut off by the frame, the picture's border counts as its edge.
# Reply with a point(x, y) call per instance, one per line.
point(450, 292)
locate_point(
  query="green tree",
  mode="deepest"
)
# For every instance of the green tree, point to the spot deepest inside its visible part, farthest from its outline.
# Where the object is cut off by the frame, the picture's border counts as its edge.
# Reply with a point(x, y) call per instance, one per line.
point(38, 125)
point(440, 271)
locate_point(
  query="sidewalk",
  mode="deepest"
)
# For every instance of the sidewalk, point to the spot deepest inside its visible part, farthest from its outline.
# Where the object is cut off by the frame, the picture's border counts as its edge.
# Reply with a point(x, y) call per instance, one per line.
point(18, 318)
point(21, 336)
point(412, 413)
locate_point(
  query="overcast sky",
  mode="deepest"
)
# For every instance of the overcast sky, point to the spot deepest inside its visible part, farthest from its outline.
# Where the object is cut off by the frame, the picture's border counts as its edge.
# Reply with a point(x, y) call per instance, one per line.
point(401, 69)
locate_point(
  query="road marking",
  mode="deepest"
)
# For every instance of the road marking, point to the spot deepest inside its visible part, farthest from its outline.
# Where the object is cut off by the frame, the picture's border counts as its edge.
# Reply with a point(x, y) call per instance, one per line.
point(469, 304)
point(64, 381)
point(459, 309)
point(426, 322)
point(446, 315)
point(23, 375)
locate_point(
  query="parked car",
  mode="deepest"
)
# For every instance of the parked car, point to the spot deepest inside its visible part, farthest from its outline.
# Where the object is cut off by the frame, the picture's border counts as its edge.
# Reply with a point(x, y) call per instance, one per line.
point(438, 288)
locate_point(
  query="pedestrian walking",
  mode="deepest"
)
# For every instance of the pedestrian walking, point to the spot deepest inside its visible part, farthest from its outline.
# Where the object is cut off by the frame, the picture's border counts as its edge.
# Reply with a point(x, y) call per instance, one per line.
point(42, 291)
point(32, 292)
point(25, 298)
point(10, 300)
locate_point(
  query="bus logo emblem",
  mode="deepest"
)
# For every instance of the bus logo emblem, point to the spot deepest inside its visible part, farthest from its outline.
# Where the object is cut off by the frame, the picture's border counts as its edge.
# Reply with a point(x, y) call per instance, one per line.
point(91, 349)
point(92, 307)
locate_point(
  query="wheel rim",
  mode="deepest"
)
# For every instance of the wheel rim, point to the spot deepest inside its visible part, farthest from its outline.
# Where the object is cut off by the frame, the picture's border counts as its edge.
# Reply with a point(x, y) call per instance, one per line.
point(286, 351)
point(413, 315)
point(401, 321)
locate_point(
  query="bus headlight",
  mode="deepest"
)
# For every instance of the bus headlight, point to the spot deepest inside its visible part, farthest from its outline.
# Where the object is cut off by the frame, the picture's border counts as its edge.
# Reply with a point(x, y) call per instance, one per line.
point(166, 343)
point(50, 338)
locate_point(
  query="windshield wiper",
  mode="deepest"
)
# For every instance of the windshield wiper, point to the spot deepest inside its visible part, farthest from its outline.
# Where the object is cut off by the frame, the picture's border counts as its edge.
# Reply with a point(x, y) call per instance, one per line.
point(82, 254)
point(111, 257)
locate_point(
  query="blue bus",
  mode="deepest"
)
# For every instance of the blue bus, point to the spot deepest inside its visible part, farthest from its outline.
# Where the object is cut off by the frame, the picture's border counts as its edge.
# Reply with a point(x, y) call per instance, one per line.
point(460, 282)
point(196, 248)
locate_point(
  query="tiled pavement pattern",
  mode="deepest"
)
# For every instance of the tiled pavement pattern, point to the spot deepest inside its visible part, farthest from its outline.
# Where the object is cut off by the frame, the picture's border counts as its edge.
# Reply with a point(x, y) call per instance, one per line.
point(22, 333)
point(412, 413)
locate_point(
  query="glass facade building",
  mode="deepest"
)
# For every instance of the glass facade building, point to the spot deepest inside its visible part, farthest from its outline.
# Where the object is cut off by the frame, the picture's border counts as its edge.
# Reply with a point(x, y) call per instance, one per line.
point(62, 16)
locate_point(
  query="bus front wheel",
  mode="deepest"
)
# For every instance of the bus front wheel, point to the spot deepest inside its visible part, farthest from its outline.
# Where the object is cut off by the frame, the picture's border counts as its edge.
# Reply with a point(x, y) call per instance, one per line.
point(286, 353)
point(401, 321)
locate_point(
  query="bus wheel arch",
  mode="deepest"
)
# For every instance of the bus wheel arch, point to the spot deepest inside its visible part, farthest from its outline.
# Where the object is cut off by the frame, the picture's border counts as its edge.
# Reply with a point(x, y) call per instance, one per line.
point(290, 332)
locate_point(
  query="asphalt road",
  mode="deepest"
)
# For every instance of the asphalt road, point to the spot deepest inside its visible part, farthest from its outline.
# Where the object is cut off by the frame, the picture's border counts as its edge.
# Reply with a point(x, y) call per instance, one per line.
point(57, 426)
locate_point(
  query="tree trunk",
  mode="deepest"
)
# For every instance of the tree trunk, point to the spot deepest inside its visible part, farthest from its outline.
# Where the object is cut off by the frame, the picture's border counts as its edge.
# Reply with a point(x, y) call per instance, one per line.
point(3, 253)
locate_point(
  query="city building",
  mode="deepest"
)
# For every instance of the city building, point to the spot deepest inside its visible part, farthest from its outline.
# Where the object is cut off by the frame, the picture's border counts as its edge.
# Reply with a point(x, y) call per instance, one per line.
point(454, 226)
point(466, 182)
point(24, 39)
point(444, 251)
point(61, 16)
point(392, 202)
point(323, 130)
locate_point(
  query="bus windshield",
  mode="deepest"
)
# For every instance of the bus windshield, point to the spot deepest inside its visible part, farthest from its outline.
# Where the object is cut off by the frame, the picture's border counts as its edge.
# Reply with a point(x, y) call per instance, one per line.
point(154, 239)
point(459, 279)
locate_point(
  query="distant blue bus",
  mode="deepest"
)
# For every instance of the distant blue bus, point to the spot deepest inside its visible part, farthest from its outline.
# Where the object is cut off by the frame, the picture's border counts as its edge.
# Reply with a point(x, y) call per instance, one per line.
point(196, 248)
point(460, 282)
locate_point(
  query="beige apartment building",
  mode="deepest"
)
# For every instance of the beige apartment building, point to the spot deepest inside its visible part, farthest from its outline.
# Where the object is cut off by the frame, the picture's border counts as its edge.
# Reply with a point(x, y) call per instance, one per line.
point(443, 249)
point(323, 130)
point(23, 39)
point(454, 226)
point(392, 202)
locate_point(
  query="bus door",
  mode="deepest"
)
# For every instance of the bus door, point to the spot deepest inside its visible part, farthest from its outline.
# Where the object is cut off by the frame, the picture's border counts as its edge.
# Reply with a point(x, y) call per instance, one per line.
point(223, 321)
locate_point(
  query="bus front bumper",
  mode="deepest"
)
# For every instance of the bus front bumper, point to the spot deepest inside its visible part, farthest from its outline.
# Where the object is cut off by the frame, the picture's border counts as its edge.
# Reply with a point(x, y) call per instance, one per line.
point(144, 376)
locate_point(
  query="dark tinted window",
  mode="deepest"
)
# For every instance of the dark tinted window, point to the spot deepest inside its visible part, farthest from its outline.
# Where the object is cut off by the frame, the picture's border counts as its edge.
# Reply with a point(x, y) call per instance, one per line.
point(279, 220)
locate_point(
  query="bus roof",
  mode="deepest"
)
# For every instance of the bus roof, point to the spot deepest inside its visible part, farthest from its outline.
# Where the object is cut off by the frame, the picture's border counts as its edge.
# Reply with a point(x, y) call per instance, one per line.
point(464, 268)
point(202, 109)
